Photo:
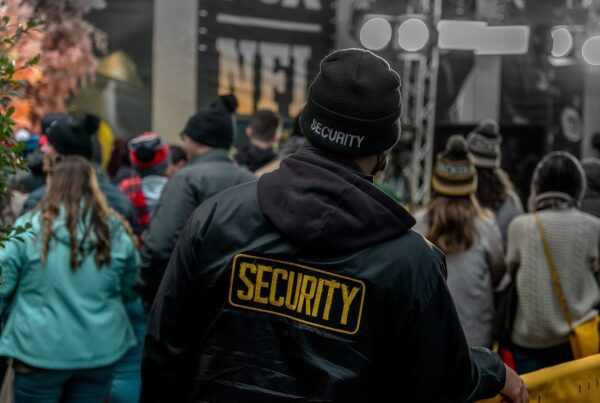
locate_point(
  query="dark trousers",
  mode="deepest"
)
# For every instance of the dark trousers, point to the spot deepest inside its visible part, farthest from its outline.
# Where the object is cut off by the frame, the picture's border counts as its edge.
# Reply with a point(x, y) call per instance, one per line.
point(127, 382)
point(532, 359)
point(63, 386)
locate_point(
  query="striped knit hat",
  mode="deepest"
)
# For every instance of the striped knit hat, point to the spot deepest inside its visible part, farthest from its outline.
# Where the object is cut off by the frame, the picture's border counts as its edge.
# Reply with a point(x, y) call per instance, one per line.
point(454, 173)
point(484, 144)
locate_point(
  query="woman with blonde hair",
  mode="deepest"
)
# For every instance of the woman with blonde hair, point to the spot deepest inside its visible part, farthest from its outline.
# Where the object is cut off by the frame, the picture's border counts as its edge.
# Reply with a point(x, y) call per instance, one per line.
point(468, 235)
point(70, 277)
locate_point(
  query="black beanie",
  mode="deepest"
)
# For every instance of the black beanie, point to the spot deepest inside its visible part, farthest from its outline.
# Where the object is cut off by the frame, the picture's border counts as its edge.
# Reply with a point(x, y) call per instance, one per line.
point(454, 173)
point(354, 105)
point(48, 120)
point(484, 144)
point(73, 138)
point(213, 126)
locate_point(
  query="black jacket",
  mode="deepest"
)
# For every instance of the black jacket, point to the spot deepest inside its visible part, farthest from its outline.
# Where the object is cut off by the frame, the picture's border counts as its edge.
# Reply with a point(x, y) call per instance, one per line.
point(371, 319)
point(202, 177)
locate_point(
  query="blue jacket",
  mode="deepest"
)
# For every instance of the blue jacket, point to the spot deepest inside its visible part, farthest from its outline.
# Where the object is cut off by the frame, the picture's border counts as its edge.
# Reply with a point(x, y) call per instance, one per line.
point(115, 198)
point(65, 319)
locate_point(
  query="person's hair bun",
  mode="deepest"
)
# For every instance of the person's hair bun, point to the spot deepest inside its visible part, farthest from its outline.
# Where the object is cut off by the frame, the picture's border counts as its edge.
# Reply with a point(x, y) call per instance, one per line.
point(230, 102)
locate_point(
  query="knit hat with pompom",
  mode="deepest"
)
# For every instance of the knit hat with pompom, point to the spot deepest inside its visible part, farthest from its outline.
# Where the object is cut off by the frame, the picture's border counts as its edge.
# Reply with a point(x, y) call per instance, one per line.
point(70, 137)
point(213, 126)
point(484, 144)
point(454, 174)
point(148, 154)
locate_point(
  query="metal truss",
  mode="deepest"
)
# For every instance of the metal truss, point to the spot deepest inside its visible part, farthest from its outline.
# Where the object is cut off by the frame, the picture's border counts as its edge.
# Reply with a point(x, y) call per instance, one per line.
point(419, 73)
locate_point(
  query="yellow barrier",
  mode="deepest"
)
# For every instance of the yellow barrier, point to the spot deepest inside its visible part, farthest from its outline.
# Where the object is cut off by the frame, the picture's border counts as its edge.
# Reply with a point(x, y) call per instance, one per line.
point(575, 381)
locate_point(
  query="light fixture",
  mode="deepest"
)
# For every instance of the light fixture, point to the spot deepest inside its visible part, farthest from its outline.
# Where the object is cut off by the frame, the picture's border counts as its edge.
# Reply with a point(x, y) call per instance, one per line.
point(562, 42)
point(591, 51)
point(503, 40)
point(413, 34)
point(481, 38)
point(459, 34)
point(375, 33)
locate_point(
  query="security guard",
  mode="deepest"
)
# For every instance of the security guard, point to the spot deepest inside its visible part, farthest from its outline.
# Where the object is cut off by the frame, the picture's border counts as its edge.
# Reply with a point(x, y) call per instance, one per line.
point(309, 285)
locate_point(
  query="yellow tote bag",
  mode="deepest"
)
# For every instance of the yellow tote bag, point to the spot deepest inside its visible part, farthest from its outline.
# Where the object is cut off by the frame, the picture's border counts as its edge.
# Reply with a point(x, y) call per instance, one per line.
point(585, 338)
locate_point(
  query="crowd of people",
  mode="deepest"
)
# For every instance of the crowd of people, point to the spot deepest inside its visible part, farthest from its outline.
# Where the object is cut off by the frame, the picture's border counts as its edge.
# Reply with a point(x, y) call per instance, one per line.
point(77, 334)
point(478, 221)
point(280, 272)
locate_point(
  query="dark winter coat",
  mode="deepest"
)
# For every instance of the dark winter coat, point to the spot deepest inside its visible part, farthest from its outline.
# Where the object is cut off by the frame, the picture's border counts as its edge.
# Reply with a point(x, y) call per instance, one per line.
point(309, 285)
point(203, 176)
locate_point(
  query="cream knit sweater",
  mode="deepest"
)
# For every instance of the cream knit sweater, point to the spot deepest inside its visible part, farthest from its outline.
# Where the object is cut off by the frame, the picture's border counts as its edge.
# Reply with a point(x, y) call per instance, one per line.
point(574, 239)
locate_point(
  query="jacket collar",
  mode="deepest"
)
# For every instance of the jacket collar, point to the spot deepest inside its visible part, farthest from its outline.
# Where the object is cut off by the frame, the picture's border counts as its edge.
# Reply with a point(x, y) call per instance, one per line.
point(216, 154)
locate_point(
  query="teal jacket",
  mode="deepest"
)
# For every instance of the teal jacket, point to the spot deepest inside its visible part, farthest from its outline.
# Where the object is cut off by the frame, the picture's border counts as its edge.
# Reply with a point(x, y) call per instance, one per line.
point(65, 319)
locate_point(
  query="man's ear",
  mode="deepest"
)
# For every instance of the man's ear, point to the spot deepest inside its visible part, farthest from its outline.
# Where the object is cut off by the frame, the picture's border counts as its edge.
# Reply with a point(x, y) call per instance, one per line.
point(249, 132)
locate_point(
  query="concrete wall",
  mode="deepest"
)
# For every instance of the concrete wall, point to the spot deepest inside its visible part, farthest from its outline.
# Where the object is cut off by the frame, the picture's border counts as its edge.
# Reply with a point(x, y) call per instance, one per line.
point(175, 64)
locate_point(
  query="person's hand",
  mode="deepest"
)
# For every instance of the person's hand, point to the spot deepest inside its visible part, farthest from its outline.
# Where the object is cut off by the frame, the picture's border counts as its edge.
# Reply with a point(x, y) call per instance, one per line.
point(514, 389)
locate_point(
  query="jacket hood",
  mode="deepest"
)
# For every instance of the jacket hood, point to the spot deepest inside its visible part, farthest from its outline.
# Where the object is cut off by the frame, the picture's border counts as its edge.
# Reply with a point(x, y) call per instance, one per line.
point(328, 205)
point(153, 185)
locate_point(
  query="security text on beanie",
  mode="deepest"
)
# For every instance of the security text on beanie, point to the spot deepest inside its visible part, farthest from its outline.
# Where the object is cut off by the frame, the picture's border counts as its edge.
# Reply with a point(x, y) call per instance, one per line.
point(336, 136)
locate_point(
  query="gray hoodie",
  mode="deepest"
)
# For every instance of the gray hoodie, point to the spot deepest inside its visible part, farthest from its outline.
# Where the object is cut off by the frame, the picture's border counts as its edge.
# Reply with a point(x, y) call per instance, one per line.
point(152, 187)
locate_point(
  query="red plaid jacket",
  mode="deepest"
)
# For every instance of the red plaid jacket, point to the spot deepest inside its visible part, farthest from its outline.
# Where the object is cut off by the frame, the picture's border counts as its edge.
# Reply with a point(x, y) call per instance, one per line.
point(132, 188)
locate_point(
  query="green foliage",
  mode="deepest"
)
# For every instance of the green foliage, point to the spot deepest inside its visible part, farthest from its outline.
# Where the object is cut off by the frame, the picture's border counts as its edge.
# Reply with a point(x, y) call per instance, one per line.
point(11, 158)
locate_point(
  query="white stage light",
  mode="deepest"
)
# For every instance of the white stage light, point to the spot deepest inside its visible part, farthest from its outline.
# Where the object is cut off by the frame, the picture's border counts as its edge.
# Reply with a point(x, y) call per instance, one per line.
point(459, 35)
point(413, 34)
point(563, 42)
point(481, 38)
point(375, 33)
point(591, 51)
point(503, 40)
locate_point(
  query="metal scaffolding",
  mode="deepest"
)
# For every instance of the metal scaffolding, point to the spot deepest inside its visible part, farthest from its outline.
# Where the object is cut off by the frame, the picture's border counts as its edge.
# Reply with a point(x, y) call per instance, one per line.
point(419, 73)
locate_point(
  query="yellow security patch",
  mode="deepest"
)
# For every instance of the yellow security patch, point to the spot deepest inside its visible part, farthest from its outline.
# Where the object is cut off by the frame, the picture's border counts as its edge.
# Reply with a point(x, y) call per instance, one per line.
point(311, 296)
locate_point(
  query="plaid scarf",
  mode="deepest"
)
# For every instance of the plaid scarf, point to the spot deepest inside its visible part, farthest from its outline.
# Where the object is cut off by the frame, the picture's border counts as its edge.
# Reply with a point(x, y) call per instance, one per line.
point(132, 188)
